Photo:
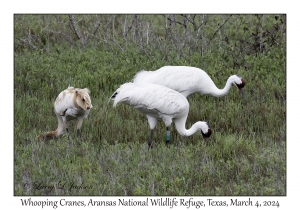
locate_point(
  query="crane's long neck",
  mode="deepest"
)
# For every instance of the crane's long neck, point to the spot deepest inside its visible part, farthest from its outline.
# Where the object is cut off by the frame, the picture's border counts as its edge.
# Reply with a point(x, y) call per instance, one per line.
point(180, 126)
point(221, 92)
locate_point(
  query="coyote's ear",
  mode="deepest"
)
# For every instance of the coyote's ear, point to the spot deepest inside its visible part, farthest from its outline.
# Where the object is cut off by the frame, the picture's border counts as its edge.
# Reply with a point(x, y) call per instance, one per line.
point(86, 90)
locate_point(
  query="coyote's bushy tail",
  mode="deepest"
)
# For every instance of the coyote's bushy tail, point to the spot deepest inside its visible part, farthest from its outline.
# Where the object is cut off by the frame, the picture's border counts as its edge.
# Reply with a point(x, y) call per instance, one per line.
point(48, 135)
point(54, 134)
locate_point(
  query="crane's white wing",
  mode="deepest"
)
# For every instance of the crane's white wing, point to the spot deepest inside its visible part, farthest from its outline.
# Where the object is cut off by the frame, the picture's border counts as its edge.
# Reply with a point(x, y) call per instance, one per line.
point(184, 79)
point(151, 98)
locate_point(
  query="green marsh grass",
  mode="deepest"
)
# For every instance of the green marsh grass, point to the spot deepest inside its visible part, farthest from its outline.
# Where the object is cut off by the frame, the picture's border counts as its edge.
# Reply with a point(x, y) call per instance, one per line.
point(246, 155)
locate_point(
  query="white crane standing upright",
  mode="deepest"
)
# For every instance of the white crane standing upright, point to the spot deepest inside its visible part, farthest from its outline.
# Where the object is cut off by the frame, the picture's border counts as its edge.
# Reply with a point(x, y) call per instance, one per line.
point(188, 80)
point(159, 102)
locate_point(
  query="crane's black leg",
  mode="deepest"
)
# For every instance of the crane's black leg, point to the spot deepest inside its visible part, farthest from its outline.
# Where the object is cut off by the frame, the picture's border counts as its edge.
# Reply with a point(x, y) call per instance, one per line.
point(150, 140)
point(168, 136)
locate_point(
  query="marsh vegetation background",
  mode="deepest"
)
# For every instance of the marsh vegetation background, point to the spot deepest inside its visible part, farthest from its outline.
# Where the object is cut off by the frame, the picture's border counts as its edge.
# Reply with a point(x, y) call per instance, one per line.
point(246, 155)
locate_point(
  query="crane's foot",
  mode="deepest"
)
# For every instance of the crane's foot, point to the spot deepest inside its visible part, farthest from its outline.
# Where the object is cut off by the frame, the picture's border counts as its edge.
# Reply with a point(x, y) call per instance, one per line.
point(149, 145)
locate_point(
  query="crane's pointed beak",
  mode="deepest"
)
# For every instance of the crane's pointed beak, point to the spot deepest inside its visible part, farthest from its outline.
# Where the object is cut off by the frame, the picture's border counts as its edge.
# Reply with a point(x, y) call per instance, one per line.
point(243, 93)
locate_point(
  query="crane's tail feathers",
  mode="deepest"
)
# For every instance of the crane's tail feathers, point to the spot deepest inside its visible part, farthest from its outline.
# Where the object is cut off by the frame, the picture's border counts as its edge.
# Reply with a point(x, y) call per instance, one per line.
point(120, 100)
point(139, 76)
point(124, 93)
point(117, 99)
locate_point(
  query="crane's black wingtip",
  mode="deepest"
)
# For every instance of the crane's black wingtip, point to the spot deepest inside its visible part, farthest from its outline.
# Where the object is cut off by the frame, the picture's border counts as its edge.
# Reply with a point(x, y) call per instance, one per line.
point(113, 96)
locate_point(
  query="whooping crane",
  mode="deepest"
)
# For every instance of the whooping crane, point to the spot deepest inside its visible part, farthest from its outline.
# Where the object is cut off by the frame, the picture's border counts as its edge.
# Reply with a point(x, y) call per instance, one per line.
point(159, 102)
point(188, 80)
point(70, 104)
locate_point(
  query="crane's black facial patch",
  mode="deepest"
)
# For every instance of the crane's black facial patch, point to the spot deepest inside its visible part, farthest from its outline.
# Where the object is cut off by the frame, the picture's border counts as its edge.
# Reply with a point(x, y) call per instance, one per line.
point(207, 135)
point(242, 85)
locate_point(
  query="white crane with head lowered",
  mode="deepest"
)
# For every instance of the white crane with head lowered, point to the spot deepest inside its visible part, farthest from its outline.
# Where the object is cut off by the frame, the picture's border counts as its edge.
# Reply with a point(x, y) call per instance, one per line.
point(159, 102)
point(188, 80)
